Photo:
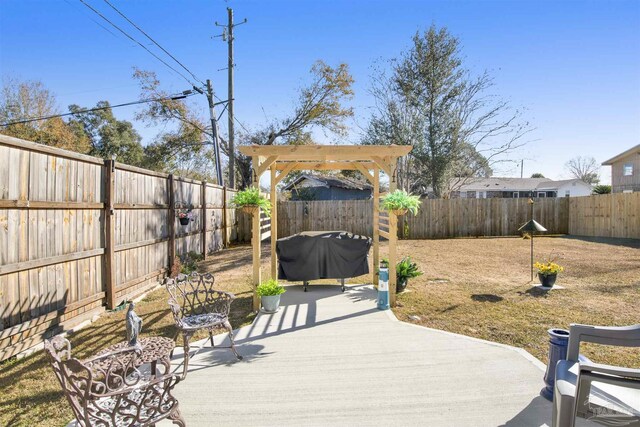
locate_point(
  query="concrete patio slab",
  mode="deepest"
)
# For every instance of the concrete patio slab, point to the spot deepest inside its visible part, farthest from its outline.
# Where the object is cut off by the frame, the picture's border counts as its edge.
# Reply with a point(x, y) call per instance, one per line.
point(331, 358)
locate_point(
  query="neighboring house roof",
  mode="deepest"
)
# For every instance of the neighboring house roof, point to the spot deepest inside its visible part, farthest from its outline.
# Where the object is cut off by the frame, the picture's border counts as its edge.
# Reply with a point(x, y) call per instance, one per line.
point(329, 181)
point(622, 155)
point(503, 184)
point(554, 185)
point(516, 184)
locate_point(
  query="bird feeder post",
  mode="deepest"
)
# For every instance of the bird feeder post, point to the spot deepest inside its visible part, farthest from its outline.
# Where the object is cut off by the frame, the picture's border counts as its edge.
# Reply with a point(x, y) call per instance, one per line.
point(531, 227)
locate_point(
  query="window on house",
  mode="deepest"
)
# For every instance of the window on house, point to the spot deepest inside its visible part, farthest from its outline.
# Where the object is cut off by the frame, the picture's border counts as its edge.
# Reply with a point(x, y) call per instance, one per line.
point(627, 169)
point(542, 194)
point(516, 194)
point(567, 193)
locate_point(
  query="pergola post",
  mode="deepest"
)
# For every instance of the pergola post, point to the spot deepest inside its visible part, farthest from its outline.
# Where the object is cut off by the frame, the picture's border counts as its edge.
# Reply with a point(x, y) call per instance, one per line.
point(393, 235)
point(255, 236)
point(274, 223)
point(376, 225)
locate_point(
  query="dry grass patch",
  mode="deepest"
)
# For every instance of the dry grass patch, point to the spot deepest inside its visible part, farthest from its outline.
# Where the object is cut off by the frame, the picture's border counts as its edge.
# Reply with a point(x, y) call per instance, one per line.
point(481, 288)
point(30, 394)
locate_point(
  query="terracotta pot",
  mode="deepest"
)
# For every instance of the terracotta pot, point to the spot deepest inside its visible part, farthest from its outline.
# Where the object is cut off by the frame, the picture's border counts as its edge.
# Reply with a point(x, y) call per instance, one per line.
point(548, 280)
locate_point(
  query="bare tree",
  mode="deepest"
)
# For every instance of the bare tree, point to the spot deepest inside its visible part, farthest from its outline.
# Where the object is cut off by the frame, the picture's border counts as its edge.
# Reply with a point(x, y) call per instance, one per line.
point(319, 105)
point(584, 168)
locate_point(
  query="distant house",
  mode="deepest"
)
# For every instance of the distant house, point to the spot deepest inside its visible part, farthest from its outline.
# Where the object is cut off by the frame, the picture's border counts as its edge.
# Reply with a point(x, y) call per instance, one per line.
point(318, 187)
point(486, 188)
point(625, 171)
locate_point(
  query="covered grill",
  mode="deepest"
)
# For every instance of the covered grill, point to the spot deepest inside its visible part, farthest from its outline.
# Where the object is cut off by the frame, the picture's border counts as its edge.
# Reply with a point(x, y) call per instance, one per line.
point(313, 255)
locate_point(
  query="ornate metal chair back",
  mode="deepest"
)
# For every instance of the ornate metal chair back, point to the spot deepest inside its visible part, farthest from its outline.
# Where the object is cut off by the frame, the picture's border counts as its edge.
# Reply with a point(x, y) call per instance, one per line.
point(194, 294)
point(73, 376)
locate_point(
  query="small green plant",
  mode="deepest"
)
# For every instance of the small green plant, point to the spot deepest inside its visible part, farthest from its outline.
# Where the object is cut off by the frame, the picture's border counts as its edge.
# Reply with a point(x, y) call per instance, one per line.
point(406, 269)
point(401, 200)
point(252, 197)
point(189, 262)
point(270, 288)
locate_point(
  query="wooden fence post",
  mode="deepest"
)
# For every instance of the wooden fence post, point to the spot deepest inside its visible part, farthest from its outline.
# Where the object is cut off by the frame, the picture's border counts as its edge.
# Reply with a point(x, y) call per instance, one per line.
point(225, 219)
point(172, 223)
point(109, 233)
point(203, 205)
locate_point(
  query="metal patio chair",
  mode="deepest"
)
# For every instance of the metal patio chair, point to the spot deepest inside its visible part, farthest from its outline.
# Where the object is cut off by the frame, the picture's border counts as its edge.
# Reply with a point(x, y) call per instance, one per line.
point(196, 305)
point(111, 390)
point(609, 395)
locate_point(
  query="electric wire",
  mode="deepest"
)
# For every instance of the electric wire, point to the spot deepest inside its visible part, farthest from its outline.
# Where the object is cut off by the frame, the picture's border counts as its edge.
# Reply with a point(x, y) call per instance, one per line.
point(88, 110)
point(154, 42)
point(136, 41)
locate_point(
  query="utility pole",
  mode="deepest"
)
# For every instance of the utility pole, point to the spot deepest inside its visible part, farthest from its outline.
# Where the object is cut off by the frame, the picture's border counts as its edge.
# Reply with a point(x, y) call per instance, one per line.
point(522, 168)
point(227, 35)
point(232, 144)
point(214, 132)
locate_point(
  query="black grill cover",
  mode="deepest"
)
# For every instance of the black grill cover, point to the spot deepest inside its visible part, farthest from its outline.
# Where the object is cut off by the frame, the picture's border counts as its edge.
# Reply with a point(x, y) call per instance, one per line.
point(322, 255)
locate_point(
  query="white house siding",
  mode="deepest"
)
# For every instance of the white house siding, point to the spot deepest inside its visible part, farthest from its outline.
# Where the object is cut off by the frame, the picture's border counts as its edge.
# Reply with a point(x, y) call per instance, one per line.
point(575, 189)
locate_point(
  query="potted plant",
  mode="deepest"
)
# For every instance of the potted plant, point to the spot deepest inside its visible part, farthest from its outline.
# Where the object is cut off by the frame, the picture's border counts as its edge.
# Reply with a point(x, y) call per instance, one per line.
point(548, 272)
point(399, 202)
point(405, 270)
point(270, 292)
point(250, 200)
point(185, 216)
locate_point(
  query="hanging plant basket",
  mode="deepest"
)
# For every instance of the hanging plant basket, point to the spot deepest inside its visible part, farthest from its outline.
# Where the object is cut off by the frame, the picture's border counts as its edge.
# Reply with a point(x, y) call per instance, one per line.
point(250, 209)
point(184, 221)
point(399, 212)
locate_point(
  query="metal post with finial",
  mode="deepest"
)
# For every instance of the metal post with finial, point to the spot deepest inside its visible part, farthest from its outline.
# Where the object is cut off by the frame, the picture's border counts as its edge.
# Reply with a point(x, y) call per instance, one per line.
point(531, 227)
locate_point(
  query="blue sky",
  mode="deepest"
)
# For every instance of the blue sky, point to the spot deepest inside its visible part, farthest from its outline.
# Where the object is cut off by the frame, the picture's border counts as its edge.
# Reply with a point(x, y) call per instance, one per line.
point(573, 66)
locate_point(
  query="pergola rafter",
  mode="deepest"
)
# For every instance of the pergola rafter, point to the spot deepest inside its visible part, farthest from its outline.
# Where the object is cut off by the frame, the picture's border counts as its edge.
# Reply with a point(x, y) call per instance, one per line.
point(367, 159)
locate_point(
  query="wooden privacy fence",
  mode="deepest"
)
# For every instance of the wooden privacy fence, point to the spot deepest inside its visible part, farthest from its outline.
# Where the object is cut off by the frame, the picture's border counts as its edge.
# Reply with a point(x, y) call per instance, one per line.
point(607, 215)
point(436, 219)
point(78, 234)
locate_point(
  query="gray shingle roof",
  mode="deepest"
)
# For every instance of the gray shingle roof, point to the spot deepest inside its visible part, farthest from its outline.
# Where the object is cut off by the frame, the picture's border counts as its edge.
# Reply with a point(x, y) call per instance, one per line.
point(331, 181)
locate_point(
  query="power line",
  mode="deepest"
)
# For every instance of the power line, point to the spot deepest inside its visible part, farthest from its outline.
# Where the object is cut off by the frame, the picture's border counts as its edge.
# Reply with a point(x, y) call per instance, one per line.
point(153, 41)
point(183, 95)
point(136, 41)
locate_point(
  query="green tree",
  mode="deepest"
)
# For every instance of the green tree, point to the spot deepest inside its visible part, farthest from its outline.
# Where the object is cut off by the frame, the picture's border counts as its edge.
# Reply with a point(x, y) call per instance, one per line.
point(432, 102)
point(21, 100)
point(108, 135)
point(319, 106)
point(537, 175)
point(185, 144)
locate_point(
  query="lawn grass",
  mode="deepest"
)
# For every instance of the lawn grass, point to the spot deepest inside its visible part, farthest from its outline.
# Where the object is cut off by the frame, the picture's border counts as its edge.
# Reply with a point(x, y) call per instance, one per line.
point(31, 396)
point(475, 287)
point(481, 288)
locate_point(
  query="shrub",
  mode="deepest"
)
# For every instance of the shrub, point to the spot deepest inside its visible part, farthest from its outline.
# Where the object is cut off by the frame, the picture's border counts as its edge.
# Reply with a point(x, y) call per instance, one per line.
point(252, 197)
point(400, 200)
point(270, 288)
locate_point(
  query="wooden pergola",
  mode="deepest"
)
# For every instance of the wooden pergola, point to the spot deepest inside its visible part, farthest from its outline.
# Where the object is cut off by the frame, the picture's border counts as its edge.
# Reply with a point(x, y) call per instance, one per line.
point(367, 159)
